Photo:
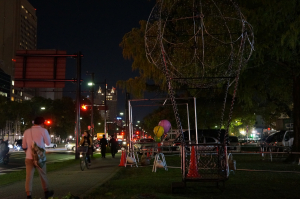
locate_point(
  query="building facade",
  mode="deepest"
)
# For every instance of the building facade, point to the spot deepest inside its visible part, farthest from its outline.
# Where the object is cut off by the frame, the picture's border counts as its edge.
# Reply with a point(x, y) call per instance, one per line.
point(5, 82)
point(111, 102)
point(18, 31)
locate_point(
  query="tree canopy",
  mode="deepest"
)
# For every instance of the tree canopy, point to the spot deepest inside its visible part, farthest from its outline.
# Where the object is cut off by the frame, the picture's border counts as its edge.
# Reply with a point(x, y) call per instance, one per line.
point(269, 84)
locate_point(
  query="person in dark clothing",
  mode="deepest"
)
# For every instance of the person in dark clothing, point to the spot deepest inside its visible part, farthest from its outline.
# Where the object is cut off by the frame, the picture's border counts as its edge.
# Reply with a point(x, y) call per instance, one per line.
point(86, 140)
point(4, 149)
point(103, 144)
point(113, 146)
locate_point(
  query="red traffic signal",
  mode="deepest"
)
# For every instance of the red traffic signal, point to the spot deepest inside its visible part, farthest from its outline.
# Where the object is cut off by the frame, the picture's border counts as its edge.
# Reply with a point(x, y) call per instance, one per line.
point(83, 107)
point(122, 133)
point(137, 132)
point(48, 122)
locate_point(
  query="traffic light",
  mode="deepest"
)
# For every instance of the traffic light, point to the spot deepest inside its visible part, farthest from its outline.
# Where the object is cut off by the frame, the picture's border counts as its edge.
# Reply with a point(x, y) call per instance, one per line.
point(122, 133)
point(137, 132)
point(48, 122)
point(83, 107)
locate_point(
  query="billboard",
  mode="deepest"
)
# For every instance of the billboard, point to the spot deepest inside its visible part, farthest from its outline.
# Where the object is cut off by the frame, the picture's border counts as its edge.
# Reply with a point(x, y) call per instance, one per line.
point(48, 66)
point(99, 136)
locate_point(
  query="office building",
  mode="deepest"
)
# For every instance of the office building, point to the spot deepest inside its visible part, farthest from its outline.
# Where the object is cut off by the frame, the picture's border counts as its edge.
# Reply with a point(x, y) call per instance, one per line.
point(18, 31)
point(5, 82)
point(111, 102)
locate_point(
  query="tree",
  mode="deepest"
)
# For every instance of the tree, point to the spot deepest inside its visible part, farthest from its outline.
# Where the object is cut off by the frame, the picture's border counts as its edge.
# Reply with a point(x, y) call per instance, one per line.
point(275, 67)
point(133, 45)
point(63, 117)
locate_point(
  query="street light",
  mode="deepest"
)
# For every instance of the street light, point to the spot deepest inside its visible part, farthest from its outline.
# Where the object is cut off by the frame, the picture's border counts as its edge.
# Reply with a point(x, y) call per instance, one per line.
point(91, 84)
point(43, 108)
point(121, 113)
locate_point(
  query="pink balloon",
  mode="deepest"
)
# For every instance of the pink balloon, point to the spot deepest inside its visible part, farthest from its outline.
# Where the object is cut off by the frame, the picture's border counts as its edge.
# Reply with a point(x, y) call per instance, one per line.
point(165, 124)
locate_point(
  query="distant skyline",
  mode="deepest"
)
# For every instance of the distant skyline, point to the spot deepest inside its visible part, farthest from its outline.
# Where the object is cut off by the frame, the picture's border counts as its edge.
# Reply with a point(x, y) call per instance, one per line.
point(95, 28)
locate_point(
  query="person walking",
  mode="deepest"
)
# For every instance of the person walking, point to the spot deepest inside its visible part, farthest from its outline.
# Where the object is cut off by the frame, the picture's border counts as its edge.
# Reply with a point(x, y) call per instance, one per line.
point(113, 146)
point(103, 144)
point(38, 134)
point(86, 141)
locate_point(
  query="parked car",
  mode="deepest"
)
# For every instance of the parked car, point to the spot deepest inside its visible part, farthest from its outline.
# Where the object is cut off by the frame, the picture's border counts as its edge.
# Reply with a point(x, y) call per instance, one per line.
point(233, 144)
point(273, 138)
point(280, 139)
point(288, 138)
point(52, 145)
point(208, 140)
point(145, 143)
point(202, 140)
point(70, 146)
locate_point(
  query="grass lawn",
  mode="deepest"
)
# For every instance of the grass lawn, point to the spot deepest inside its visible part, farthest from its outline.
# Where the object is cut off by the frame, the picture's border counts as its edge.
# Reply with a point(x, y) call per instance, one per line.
point(21, 175)
point(141, 183)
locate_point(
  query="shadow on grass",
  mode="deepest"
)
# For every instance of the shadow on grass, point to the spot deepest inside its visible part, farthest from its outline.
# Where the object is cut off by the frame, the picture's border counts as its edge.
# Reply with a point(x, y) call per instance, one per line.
point(136, 183)
point(16, 176)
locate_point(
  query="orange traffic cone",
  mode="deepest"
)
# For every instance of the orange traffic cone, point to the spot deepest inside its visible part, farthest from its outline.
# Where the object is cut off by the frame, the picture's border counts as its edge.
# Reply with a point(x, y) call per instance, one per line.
point(193, 168)
point(123, 159)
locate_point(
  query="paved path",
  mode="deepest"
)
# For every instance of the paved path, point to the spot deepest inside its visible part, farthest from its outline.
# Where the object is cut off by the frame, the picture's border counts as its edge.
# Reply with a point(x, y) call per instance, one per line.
point(70, 179)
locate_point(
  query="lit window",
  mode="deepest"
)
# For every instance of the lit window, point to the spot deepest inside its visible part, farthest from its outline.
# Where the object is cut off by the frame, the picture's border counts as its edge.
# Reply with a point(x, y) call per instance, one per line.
point(21, 93)
point(13, 82)
point(12, 99)
point(13, 91)
point(3, 94)
point(22, 6)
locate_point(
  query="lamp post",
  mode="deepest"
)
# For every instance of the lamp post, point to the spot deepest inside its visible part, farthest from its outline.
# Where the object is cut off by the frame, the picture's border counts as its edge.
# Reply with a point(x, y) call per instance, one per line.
point(92, 102)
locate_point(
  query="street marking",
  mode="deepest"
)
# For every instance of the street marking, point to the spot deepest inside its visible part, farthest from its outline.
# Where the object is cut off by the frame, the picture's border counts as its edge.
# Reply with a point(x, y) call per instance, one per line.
point(3, 172)
point(11, 170)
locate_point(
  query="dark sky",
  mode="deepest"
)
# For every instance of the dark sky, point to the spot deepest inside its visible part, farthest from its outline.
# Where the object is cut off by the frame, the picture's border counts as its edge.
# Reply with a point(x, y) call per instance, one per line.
point(96, 28)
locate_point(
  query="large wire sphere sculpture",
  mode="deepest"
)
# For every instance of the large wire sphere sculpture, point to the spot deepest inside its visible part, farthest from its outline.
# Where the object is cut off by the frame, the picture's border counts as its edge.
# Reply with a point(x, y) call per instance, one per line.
point(200, 42)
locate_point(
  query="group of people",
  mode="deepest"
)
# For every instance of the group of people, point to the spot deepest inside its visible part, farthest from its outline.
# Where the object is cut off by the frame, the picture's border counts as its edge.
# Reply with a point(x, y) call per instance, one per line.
point(86, 140)
point(38, 134)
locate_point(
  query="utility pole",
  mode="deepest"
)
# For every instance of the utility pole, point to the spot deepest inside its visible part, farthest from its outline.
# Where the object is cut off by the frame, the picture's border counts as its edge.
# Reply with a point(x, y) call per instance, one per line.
point(105, 85)
point(92, 107)
point(78, 97)
point(92, 112)
point(127, 97)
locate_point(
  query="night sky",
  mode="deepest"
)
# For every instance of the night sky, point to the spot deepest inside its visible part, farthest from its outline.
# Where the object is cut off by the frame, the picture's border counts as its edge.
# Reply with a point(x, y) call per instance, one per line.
point(96, 28)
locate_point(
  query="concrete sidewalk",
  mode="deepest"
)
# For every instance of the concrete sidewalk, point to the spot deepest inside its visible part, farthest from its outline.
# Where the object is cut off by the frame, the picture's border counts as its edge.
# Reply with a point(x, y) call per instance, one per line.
point(69, 180)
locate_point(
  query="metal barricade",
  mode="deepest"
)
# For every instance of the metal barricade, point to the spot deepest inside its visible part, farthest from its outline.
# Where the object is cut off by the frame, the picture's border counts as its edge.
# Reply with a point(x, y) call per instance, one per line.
point(211, 163)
